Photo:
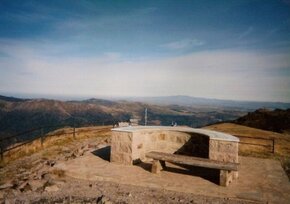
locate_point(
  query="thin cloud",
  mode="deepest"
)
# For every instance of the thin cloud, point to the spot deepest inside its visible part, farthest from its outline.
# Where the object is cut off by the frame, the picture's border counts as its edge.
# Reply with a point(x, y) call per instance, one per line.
point(183, 44)
point(246, 33)
point(231, 74)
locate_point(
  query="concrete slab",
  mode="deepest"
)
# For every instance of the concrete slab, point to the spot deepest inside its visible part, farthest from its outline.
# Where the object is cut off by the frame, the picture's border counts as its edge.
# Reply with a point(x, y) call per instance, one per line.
point(210, 133)
point(259, 179)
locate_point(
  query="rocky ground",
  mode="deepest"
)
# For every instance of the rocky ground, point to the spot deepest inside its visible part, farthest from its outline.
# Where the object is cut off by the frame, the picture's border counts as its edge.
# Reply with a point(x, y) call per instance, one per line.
point(33, 179)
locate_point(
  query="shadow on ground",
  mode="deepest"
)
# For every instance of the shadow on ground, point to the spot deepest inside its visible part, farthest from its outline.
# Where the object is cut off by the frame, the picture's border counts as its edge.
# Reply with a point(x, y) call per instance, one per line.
point(211, 175)
point(104, 153)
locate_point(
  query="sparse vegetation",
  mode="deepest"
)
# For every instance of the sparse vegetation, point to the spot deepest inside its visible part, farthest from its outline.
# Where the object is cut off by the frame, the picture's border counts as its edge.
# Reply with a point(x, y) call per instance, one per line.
point(56, 139)
point(277, 120)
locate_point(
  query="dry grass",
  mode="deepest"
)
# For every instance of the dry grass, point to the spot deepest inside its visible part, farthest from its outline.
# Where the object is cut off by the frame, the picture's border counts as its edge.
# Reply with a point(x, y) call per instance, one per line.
point(57, 138)
point(282, 141)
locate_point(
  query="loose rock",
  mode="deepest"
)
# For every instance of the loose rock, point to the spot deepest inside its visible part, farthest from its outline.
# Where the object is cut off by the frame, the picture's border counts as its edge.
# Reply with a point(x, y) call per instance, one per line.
point(103, 200)
point(1, 195)
point(37, 185)
point(52, 188)
point(50, 163)
point(24, 187)
point(6, 185)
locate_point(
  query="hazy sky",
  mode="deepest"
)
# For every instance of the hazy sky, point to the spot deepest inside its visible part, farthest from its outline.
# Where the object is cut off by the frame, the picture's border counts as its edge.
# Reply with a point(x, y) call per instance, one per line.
point(216, 49)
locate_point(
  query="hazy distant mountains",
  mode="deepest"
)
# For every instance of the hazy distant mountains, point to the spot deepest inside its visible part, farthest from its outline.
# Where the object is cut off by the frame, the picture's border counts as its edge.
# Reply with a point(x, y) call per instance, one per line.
point(195, 101)
point(11, 99)
point(17, 115)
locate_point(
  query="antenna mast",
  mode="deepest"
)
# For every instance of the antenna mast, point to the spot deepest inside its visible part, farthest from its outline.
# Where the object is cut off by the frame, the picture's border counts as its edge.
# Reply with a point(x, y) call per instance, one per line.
point(145, 117)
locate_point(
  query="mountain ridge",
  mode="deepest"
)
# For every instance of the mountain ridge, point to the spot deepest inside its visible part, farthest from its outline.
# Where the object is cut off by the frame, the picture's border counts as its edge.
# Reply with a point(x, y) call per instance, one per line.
point(190, 101)
point(272, 120)
point(183, 100)
point(20, 115)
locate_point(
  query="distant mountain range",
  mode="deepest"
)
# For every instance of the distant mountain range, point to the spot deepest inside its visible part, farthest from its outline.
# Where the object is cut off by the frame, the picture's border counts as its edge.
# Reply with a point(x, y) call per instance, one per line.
point(11, 99)
point(17, 114)
point(195, 101)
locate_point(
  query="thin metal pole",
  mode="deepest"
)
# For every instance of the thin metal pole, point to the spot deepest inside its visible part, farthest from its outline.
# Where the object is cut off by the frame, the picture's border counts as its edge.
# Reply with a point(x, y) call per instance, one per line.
point(2, 154)
point(74, 129)
point(273, 150)
point(41, 139)
point(74, 132)
point(145, 119)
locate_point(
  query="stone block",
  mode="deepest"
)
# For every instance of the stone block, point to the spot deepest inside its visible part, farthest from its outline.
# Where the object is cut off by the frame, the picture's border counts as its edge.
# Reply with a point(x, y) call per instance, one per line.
point(235, 174)
point(213, 145)
point(161, 136)
point(115, 157)
point(113, 147)
point(225, 177)
point(223, 151)
point(126, 159)
point(223, 146)
point(161, 146)
point(228, 147)
point(140, 146)
point(121, 158)
point(181, 139)
point(152, 138)
point(125, 147)
point(156, 167)
point(170, 138)
point(122, 137)
point(221, 156)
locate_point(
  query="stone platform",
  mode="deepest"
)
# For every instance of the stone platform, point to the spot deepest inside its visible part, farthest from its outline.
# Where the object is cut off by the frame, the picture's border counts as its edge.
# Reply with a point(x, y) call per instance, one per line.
point(261, 180)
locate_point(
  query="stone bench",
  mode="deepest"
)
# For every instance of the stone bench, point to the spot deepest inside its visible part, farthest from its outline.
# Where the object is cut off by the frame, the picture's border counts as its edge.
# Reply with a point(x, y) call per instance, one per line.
point(226, 168)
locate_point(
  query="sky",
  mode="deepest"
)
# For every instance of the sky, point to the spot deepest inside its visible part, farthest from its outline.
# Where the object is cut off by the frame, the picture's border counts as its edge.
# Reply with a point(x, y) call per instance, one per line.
point(230, 49)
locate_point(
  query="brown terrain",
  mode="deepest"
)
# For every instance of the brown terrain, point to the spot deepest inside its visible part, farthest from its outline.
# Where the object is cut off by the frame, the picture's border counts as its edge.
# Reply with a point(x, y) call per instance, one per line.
point(67, 169)
point(18, 115)
point(277, 120)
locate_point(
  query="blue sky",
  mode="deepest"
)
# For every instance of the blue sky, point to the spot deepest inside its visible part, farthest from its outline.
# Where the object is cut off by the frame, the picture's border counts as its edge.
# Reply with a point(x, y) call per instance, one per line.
point(216, 49)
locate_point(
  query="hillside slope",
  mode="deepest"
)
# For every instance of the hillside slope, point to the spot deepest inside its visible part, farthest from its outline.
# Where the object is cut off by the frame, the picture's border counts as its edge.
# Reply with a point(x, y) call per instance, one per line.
point(20, 115)
point(276, 120)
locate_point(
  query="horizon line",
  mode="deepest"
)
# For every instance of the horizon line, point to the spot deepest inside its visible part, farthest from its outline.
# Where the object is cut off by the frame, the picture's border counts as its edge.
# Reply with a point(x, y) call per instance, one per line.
point(67, 97)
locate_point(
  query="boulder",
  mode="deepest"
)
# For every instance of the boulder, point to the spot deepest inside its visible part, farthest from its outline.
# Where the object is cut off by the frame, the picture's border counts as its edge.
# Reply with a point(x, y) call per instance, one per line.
point(50, 162)
point(23, 176)
point(37, 185)
point(103, 200)
point(6, 185)
point(24, 187)
point(52, 188)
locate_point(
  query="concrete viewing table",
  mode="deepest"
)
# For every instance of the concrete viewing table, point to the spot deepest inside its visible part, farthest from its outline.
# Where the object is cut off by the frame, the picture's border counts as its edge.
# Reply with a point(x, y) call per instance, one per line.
point(130, 144)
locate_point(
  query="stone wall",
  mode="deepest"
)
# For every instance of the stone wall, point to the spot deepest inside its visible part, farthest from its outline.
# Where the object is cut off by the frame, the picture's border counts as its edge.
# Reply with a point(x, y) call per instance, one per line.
point(158, 140)
point(121, 147)
point(224, 151)
point(131, 146)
